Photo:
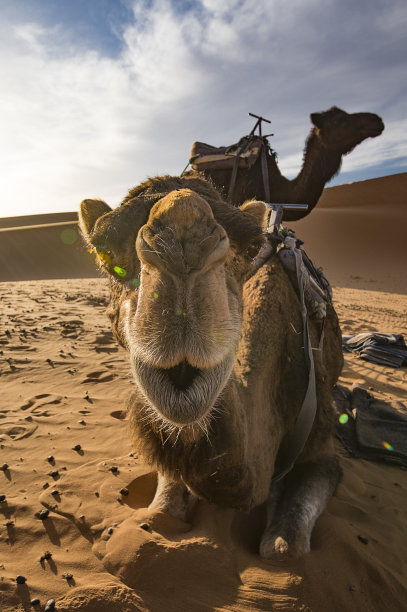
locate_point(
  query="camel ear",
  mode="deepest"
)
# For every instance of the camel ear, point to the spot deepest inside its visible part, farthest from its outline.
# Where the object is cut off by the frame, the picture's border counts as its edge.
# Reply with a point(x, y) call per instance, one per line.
point(89, 213)
point(317, 119)
point(257, 209)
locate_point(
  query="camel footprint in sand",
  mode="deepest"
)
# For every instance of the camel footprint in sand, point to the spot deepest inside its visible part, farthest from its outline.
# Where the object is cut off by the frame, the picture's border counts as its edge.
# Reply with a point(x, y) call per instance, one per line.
point(98, 376)
point(36, 405)
point(16, 432)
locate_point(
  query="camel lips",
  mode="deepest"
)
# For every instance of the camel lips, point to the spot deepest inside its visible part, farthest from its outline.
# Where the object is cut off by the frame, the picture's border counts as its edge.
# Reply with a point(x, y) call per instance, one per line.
point(182, 394)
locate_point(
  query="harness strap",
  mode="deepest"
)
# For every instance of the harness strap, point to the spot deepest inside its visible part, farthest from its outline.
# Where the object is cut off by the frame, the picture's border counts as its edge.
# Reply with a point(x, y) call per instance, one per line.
point(239, 152)
point(293, 445)
point(234, 175)
point(265, 172)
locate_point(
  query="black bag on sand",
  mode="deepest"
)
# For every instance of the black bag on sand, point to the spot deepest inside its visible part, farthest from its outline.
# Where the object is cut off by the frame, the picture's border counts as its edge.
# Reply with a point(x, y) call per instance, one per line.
point(371, 428)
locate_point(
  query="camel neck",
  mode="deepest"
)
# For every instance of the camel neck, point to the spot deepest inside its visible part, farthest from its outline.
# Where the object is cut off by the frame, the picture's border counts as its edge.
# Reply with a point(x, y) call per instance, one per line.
point(319, 166)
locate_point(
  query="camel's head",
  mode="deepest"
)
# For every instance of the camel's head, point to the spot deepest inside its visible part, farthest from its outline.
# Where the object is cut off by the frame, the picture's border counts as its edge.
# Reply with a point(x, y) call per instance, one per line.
point(176, 263)
point(341, 132)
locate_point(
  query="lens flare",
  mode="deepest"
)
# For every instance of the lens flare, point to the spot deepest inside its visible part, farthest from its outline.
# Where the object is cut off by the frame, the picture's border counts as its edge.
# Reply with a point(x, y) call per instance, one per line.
point(387, 446)
point(180, 312)
point(69, 236)
point(104, 257)
point(135, 282)
point(343, 419)
point(120, 271)
point(155, 295)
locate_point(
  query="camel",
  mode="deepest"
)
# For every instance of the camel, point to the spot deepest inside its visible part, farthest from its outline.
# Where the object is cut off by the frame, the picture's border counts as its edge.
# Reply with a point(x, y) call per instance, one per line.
point(335, 133)
point(217, 356)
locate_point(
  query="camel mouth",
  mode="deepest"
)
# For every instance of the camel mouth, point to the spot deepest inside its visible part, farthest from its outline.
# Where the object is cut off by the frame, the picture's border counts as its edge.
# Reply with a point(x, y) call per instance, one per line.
point(182, 375)
point(375, 128)
point(373, 132)
point(183, 394)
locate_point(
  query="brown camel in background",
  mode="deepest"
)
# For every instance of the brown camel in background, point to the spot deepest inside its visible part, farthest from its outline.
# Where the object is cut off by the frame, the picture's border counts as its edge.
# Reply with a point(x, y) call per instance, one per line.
point(335, 133)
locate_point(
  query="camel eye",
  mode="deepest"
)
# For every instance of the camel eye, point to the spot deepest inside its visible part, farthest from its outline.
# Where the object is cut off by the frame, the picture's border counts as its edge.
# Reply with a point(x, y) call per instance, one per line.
point(106, 258)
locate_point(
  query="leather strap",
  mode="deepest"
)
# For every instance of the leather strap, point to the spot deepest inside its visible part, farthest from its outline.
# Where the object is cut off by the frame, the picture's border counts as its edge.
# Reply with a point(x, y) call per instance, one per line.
point(293, 445)
point(265, 172)
point(234, 175)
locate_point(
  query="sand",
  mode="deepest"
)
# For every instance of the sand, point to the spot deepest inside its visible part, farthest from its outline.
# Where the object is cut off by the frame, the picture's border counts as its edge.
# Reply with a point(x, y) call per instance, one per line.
point(357, 233)
point(64, 382)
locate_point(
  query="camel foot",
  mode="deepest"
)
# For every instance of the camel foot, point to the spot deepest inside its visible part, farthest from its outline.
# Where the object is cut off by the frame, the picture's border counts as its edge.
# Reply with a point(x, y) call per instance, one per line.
point(294, 506)
point(279, 545)
point(174, 498)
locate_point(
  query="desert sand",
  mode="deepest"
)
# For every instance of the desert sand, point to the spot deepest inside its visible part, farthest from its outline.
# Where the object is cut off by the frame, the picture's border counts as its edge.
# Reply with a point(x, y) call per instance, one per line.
point(64, 383)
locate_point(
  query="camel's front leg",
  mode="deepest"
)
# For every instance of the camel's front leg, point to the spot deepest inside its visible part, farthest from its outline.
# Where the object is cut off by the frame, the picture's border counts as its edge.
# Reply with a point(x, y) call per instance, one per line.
point(174, 498)
point(305, 493)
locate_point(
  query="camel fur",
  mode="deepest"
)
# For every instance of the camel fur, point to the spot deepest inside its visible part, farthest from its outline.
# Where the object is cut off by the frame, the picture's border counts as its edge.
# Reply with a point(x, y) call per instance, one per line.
point(217, 355)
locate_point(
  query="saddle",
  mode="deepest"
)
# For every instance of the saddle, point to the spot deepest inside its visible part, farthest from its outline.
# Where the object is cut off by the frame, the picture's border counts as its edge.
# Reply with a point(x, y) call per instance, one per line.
point(245, 152)
point(315, 287)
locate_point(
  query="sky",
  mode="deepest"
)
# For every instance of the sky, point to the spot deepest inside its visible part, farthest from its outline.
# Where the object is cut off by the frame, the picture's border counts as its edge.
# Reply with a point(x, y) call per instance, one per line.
point(98, 95)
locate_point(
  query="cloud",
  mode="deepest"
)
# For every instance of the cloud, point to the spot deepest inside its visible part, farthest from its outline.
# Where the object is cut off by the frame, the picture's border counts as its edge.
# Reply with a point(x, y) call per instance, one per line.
point(78, 122)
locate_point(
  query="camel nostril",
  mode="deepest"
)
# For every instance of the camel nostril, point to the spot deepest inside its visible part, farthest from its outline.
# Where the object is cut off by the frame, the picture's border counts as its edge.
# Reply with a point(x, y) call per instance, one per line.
point(181, 253)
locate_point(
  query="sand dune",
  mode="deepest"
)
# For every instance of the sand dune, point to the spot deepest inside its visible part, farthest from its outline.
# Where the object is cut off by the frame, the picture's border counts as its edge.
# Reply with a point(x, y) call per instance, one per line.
point(44, 219)
point(357, 233)
point(46, 250)
point(64, 384)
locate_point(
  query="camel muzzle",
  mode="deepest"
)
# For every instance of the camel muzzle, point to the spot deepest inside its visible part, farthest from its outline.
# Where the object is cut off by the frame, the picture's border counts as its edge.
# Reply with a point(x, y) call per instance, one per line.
point(182, 395)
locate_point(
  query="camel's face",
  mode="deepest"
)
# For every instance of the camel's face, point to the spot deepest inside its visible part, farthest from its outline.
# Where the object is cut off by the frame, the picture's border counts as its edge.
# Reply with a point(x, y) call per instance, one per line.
point(180, 311)
point(183, 331)
point(341, 132)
